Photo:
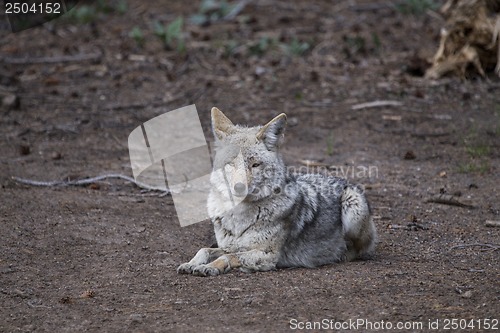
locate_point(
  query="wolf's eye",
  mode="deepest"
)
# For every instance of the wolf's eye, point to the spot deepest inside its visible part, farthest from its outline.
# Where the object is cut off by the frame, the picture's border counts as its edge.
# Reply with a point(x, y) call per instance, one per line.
point(256, 165)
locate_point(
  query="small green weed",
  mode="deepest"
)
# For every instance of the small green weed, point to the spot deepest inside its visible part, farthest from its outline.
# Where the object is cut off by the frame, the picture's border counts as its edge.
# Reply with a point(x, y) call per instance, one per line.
point(137, 35)
point(497, 114)
point(482, 167)
point(265, 45)
point(211, 11)
point(477, 150)
point(354, 45)
point(416, 7)
point(88, 13)
point(376, 42)
point(298, 96)
point(262, 46)
point(296, 47)
point(329, 144)
point(171, 34)
point(82, 14)
point(474, 145)
point(230, 48)
point(121, 7)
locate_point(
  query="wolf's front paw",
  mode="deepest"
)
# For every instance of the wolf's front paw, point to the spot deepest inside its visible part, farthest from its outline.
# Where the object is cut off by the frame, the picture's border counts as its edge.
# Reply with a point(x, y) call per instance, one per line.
point(185, 268)
point(205, 270)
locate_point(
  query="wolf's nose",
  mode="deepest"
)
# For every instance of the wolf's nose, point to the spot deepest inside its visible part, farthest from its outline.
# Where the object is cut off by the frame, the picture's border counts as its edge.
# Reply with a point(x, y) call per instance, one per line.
point(239, 188)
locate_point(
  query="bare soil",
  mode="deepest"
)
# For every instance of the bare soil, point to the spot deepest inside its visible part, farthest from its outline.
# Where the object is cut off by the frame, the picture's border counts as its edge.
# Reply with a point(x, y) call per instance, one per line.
point(103, 257)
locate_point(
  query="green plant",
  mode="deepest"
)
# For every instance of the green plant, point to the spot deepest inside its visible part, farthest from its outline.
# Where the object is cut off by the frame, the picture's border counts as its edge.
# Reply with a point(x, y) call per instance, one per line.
point(261, 46)
point(477, 150)
point(114, 6)
point(482, 167)
point(296, 47)
point(171, 35)
point(416, 7)
point(497, 115)
point(329, 144)
point(376, 41)
point(137, 35)
point(87, 13)
point(211, 11)
point(354, 45)
point(474, 146)
point(230, 48)
point(121, 7)
point(82, 14)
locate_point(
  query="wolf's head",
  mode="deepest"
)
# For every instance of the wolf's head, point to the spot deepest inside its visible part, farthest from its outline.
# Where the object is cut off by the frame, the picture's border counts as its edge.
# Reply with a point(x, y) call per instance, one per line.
point(247, 165)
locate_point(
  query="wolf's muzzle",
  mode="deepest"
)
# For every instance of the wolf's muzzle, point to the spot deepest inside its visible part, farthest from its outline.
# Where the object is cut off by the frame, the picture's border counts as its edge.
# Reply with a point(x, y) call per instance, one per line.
point(240, 189)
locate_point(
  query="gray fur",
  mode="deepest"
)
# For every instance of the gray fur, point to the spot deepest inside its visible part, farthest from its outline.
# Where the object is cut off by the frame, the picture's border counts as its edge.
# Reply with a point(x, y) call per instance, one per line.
point(284, 220)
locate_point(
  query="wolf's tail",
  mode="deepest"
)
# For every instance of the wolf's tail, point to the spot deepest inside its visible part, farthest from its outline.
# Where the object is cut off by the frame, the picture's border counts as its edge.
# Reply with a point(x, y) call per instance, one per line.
point(359, 229)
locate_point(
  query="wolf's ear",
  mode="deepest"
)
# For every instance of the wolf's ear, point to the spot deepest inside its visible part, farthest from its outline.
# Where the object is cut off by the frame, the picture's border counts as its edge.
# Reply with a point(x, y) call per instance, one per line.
point(221, 125)
point(271, 132)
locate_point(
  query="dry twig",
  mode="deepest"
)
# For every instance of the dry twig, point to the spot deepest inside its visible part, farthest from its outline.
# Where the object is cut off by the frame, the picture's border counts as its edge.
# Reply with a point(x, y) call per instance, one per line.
point(447, 199)
point(51, 60)
point(493, 247)
point(375, 104)
point(87, 181)
point(490, 223)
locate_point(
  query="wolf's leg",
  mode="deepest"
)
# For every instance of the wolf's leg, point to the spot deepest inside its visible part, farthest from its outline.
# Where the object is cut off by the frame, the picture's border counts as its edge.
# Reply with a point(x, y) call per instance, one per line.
point(359, 229)
point(203, 256)
point(248, 261)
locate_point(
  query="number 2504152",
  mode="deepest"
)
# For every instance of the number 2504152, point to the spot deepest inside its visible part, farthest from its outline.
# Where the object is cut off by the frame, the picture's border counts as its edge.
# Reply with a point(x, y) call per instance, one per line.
point(34, 8)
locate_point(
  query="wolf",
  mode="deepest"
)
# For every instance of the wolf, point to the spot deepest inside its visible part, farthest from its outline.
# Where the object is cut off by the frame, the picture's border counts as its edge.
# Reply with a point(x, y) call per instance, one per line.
point(266, 218)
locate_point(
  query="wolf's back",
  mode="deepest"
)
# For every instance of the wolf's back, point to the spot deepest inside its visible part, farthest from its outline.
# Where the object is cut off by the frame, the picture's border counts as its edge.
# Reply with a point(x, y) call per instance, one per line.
point(315, 224)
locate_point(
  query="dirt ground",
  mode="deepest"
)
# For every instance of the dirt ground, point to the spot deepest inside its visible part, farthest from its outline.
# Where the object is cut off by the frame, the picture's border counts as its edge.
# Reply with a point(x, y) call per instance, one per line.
point(102, 257)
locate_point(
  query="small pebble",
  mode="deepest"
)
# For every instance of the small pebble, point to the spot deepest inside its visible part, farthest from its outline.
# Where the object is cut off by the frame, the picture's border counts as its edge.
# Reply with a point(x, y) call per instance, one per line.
point(56, 155)
point(11, 101)
point(467, 294)
point(410, 155)
point(24, 149)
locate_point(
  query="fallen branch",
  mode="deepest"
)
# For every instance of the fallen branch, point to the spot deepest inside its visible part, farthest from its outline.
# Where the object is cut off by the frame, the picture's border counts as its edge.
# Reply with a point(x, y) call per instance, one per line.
point(375, 104)
point(416, 226)
point(490, 223)
point(410, 226)
point(462, 246)
point(51, 60)
point(397, 226)
point(87, 181)
point(447, 199)
point(429, 135)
